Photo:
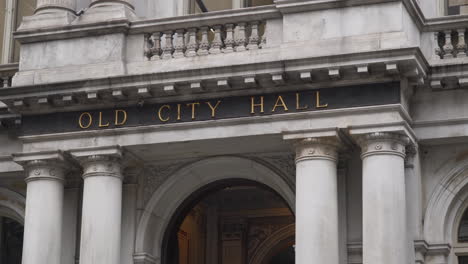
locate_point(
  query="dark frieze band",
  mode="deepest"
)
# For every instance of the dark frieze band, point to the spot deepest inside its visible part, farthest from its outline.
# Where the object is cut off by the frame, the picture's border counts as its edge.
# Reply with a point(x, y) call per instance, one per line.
point(214, 109)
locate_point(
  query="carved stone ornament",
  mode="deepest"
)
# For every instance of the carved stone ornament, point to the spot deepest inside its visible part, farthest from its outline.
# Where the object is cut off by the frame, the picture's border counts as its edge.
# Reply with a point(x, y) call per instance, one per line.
point(45, 169)
point(156, 176)
point(317, 148)
point(101, 165)
point(283, 162)
point(383, 143)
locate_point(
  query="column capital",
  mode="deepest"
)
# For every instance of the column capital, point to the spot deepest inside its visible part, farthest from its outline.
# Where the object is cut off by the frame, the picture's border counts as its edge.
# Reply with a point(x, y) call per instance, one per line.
point(317, 148)
point(105, 161)
point(383, 143)
point(52, 165)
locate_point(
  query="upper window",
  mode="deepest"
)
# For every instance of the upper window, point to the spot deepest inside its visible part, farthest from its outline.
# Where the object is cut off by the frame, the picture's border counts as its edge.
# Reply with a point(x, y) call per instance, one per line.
point(202, 6)
point(2, 25)
point(457, 7)
point(25, 8)
point(10, 20)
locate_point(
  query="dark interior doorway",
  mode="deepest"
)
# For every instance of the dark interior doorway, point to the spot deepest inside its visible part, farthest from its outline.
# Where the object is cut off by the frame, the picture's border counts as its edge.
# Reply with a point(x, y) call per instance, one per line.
point(225, 223)
point(11, 241)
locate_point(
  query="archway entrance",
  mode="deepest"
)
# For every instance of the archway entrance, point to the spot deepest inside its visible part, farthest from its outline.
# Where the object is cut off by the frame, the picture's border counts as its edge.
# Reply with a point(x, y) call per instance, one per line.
point(11, 241)
point(231, 222)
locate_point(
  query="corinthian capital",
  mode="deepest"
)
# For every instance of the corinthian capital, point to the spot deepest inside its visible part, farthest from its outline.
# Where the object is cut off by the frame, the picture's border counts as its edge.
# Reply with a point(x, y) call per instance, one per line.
point(317, 148)
point(100, 161)
point(383, 143)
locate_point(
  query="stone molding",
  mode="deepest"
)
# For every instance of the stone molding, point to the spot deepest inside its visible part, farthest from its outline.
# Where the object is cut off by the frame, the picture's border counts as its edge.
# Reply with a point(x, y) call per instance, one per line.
point(143, 258)
point(383, 143)
point(317, 148)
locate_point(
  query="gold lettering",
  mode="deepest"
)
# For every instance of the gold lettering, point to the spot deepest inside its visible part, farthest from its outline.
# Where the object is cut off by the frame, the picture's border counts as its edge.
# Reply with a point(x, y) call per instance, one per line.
point(168, 107)
point(318, 105)
point(123, 115)
point(90, 120)
point(178, 112)
point(193, 105)
point(280, 103)
point(100, 121)
point(253, 105)
point(298, 103)
point(213, 108)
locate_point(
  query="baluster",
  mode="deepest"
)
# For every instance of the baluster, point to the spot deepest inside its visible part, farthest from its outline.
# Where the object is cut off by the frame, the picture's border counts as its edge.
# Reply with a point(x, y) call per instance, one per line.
point(204, 44)
point(437, 49)
point(147, 48)
point(254, 38)
point(461, 45)
point(168, 48)
point(156, 49)
point(240, 38)
point(448, 47)
point(229, 40)
point(6, 82)
point(263, 38)
point(192, 43)
point(217, 42)
point(179, 44)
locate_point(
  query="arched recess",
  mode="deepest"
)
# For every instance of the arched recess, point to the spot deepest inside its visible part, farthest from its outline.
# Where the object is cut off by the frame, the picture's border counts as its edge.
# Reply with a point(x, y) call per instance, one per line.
point(447, 202)
point(182, 184)
point(12, 205)
point(267, 248)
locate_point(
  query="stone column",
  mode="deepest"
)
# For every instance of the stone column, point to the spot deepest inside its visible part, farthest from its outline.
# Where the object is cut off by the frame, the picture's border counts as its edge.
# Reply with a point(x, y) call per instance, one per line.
point(44, 209)
point(102, 209)
point(50, 13)
point(384, 201)
point(126, 2)
point(43, 5)
point(317, 238)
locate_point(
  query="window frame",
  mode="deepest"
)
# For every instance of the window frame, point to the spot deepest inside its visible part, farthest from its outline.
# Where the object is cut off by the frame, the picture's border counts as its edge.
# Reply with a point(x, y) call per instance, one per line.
point(8, 41)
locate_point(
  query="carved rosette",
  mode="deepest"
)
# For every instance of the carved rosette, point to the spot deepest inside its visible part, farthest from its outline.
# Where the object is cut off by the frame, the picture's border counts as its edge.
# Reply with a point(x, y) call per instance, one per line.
point(383, 144)
point(45, 170)
point(317, 148)
point(101, 165)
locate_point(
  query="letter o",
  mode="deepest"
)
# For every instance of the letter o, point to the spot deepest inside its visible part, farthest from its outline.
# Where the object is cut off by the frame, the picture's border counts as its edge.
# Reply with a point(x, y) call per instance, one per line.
point(90, 120)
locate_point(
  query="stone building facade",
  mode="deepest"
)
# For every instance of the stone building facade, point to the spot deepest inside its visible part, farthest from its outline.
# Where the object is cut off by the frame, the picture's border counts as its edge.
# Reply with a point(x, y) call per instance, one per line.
point(233, 132)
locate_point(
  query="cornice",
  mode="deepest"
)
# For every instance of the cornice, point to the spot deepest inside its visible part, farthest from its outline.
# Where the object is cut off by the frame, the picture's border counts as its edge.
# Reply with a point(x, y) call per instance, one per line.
point(409, 61)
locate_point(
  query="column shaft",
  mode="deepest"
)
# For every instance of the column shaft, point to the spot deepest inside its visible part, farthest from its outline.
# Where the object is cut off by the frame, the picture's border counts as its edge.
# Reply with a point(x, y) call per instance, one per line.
point(102, 211)
point(384, 201)
point(44, 211)
point(64, 4)
point(317, 238)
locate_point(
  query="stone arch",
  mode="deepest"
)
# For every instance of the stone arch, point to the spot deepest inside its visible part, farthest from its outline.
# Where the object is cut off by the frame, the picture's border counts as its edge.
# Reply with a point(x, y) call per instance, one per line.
point(174, 191)
point(265, 249)
point(12, 205)
point(447, 201)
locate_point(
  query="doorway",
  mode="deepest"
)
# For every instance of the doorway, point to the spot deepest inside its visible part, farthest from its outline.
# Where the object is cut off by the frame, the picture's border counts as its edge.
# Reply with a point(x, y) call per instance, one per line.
point(231, 222)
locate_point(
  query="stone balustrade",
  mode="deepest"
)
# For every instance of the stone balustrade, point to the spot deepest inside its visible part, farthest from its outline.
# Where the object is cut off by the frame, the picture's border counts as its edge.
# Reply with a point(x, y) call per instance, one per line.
point(205, 40)
point(6, 74)
point(450, 43)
